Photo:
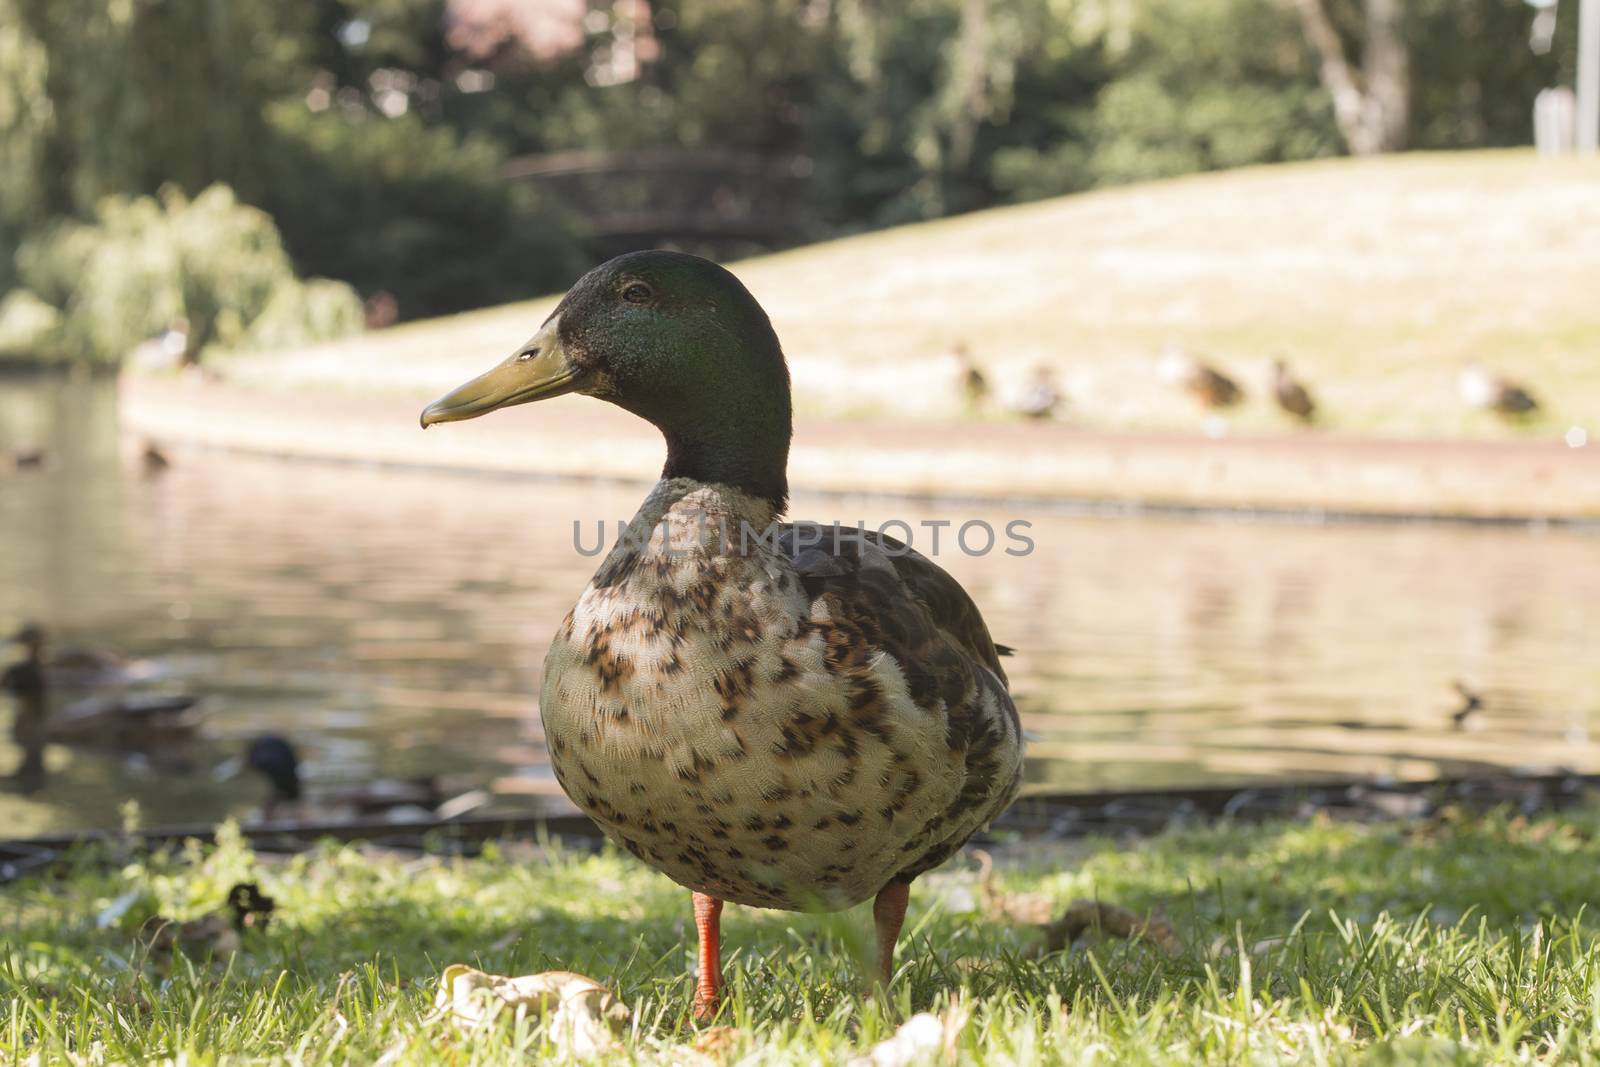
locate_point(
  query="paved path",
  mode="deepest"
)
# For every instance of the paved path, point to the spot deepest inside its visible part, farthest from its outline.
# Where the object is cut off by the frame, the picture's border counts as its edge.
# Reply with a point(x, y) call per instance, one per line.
point(578, 437)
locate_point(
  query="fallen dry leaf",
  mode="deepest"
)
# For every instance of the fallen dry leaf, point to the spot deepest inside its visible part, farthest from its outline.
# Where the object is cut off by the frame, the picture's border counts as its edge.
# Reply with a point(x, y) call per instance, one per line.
point(582, 1014)
point(717, 1043)
point(923, 1038)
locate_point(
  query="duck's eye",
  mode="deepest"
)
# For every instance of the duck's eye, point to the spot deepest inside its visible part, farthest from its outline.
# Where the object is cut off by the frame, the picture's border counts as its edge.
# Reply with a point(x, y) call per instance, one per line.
point(637, 293)
point(527, 354)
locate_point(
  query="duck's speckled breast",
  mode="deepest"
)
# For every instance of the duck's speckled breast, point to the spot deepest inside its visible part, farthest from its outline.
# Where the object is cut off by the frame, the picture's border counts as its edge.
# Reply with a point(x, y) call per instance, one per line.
point(716, 723)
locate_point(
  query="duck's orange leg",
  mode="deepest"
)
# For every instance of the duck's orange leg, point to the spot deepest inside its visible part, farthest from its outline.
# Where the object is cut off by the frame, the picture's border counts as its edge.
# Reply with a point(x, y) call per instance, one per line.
point(888, 912)
point(708, 923)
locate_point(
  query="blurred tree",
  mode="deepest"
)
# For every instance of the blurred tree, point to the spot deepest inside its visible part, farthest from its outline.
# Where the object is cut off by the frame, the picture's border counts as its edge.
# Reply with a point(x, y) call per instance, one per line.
point(1171, 87)
point(207, 269)
point(375, 131)
point(25, 124)
point(1372, 105)
point(882, 120)
point(353, 39)
point(904, 106)
point(30, 330)
point(1473, 74)
point(143, 92)
point(417, 211)
point(1434, 73)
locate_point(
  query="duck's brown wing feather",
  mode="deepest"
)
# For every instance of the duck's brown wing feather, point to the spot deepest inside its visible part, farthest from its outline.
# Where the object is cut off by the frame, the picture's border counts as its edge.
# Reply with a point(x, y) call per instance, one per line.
point(883, 596)
point(912, 609)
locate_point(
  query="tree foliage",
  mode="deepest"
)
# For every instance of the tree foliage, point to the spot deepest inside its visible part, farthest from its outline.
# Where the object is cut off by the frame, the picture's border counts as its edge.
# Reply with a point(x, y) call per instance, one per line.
point(211, 269)
point(145, 92)
point(25, 122)
point(374, 131)
point(1473, 76)
point(414, 210)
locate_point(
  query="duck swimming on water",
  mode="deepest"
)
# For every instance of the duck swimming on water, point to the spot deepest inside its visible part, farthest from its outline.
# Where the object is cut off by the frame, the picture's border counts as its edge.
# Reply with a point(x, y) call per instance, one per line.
point(277, 760)
point(117, 719)
point(76, 664)
point(767, 712)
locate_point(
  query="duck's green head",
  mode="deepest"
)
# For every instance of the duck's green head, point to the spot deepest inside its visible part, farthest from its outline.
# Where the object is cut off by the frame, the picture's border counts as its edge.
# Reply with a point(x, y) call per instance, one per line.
point(673, 338)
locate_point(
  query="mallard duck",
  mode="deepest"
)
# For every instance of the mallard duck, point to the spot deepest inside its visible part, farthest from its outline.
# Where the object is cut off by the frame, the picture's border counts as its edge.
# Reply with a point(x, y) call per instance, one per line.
point(154, 459)
point(25, 682)
point(79, 665)
point(1208, 386)
point(278, 761)
point(124, 720)
point(215, 934)
point(127, 720)
point(1471, 703)
point(970, 381)
point(766, 712)
point(1041, 397)
point(1292, 396)
point(1489, 392)
point(166, 351)
point(381, 310)
point(23, 459)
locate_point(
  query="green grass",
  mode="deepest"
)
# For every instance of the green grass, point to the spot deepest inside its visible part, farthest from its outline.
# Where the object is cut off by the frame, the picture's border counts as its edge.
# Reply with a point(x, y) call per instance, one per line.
point(1375, 278)
point(1462, 941)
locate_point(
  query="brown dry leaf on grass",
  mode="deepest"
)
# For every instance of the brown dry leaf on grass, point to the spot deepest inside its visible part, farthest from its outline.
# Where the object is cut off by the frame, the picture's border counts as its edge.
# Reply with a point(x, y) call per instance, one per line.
point(924, 1038)
point(583, 1015)
point(718, 1042)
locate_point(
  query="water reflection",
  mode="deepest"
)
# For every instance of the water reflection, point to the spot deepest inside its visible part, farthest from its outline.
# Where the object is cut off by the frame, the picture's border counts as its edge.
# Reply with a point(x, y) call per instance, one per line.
point(393, 623)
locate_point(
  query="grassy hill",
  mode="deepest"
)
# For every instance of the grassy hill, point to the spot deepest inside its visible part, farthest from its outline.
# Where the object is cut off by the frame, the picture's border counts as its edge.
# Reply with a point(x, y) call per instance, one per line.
point(1374, 278)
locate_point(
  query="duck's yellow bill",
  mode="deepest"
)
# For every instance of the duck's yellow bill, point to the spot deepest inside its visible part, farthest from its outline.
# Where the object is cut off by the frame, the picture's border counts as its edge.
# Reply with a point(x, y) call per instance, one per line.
point(537, 370)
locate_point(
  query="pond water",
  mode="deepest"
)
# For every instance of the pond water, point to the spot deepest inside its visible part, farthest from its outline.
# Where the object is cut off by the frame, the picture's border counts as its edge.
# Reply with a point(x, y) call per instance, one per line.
point(393, 623)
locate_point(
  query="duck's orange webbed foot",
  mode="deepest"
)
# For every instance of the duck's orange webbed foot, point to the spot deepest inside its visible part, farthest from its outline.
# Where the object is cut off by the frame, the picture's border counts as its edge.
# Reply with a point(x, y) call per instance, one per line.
point(888, 913)
point(708, 924)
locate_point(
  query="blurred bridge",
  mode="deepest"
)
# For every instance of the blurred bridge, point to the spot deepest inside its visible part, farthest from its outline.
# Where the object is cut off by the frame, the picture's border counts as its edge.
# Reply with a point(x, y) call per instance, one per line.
point(727, 202)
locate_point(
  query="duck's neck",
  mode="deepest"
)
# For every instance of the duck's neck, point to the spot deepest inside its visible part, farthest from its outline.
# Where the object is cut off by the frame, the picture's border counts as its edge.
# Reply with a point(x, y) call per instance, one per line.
point(29, 685)
point(286, 788)
point(746, 455)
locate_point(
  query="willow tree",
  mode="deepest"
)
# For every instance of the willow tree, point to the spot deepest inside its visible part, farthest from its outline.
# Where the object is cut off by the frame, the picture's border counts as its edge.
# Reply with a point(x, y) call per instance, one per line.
point(25, 123)
point(142, 92)
point(1372, 100)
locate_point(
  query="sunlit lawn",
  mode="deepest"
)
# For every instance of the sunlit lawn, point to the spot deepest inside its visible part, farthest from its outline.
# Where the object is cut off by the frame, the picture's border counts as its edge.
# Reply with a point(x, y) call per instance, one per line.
point(1376, 279)
point(1455, 942)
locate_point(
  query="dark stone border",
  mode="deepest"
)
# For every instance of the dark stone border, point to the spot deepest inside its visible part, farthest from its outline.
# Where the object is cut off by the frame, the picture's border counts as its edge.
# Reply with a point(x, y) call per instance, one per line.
point(1053, 816)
